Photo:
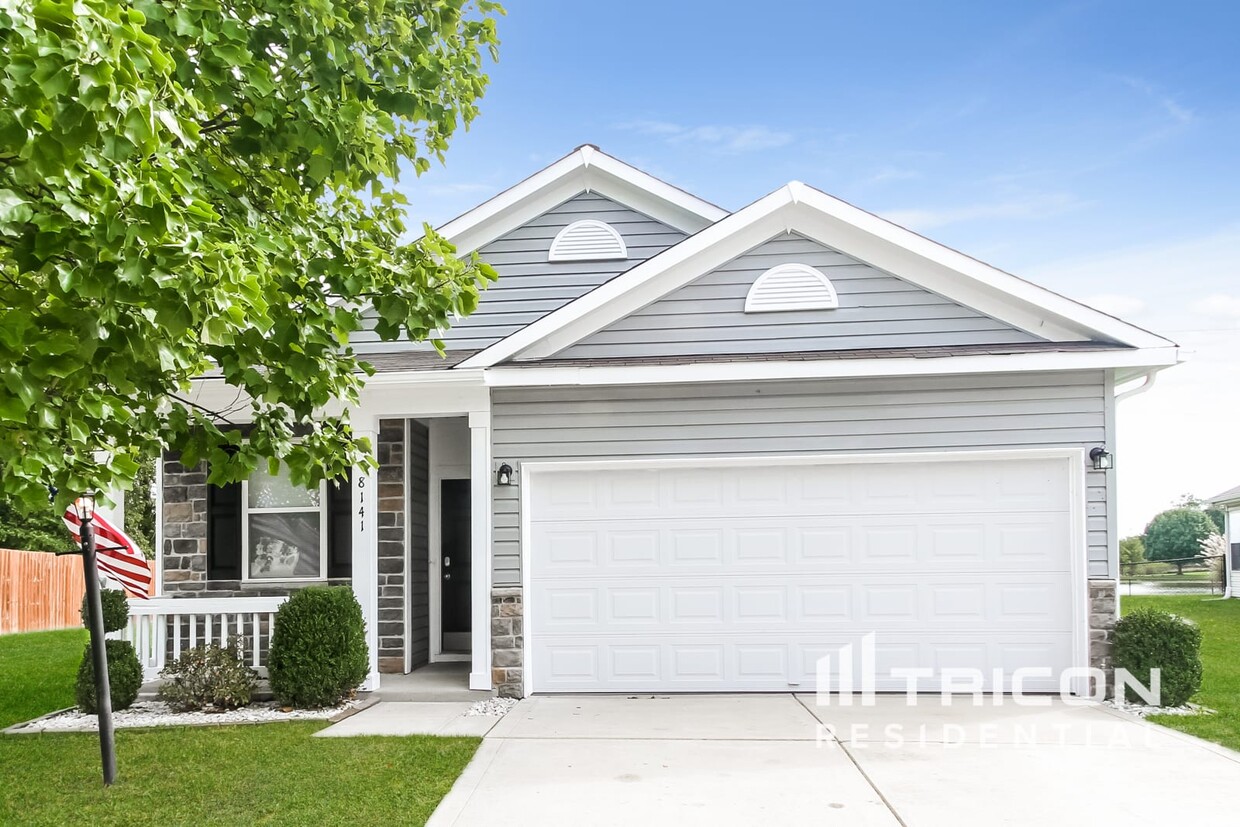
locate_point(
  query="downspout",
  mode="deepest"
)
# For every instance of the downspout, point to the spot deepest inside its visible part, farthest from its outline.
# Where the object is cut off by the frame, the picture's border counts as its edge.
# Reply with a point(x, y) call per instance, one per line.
point(1142, 388)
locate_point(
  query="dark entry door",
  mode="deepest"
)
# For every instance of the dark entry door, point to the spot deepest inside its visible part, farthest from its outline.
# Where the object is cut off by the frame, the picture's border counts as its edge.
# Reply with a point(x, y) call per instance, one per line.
point(454, 564)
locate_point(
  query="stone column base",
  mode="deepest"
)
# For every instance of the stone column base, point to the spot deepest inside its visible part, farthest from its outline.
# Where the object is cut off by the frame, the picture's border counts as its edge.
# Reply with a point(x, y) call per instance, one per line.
point(507, 641)
point(1103, 612)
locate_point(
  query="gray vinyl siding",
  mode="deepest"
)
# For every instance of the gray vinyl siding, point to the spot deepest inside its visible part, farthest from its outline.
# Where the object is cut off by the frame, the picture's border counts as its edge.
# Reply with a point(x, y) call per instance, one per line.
point(530, 287)
point(1000, 411)
point(876, 310)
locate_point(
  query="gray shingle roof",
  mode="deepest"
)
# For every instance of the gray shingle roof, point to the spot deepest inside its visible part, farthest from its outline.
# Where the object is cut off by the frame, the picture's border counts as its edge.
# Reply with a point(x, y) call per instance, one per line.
point(1230, 495)
point(937, 352)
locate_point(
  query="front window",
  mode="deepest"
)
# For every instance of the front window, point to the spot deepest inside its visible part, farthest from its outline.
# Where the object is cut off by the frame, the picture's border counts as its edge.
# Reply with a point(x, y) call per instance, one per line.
point(285, 529)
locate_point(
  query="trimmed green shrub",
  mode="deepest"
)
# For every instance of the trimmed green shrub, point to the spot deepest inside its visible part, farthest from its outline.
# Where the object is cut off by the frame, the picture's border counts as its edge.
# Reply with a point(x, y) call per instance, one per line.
point(124, 677)
point(318, 648)
point(208, 677)
point(1153, 639)
point(115, 610)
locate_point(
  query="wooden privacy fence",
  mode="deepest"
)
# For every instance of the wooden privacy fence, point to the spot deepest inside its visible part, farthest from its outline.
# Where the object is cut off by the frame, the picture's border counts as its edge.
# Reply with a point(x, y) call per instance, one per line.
point(39, 591)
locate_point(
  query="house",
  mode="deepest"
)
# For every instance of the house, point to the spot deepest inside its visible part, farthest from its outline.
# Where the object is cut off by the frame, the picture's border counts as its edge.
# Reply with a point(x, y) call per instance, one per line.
point(1229, 501)
point(681, 449)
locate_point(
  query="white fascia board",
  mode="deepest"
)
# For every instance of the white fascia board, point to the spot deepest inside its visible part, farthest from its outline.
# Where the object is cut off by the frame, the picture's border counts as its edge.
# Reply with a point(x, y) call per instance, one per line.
point(799, 208)
point(585, 169)
point(940, 268)
point(827, 368)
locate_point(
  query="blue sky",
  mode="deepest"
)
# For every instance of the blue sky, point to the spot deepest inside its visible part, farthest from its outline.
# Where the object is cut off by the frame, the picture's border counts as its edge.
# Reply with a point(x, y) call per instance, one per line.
point(1091, 147)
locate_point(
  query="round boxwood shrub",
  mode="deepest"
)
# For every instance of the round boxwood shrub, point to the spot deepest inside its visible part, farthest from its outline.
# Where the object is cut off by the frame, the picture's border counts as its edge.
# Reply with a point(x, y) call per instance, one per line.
point(318, 648)
point(124, 677)
point(115, 610)
point(1153, 639)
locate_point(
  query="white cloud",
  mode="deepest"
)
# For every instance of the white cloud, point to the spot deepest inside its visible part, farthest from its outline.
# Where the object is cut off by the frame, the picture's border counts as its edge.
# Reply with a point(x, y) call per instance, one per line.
point(1178, 113)
point(1178, 437)
point(1117, 304)
point(1218, 305)
point(1032, 207)
point(460, 188)
point(893, 174)
point(729, 139)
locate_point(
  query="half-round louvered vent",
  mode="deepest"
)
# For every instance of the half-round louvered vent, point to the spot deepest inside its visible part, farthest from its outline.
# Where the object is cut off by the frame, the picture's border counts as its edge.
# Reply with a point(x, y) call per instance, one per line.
point(791, 287)
point(587, 240)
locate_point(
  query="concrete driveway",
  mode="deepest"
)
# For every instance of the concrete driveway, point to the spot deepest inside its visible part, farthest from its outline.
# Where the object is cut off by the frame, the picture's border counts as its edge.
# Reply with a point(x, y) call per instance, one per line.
point(779, 759)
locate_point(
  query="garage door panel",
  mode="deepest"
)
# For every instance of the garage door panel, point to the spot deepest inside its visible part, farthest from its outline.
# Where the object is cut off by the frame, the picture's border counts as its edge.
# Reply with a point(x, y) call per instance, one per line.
point(687, 663)
point(882, 488)
point(735, 579)
point(874, 600)
point(1018, 542)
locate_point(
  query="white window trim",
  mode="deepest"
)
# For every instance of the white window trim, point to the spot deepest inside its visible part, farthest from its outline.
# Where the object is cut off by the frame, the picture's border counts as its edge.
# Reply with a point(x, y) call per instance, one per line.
point(801, 297)
point(556, 254)
point(246, 511)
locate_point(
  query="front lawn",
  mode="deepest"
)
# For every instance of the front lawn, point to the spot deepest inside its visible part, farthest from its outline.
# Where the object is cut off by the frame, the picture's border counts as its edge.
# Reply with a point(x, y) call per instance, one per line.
point(1219, 620)
point(37, 670)
point(260, 774)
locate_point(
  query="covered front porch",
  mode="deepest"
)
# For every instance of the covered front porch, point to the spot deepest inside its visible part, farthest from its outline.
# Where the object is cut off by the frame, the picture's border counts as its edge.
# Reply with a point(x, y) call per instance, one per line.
point(410, 535)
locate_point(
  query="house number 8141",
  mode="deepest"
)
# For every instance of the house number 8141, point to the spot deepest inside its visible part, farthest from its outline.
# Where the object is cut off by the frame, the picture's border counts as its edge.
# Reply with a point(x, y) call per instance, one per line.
point(361, 503)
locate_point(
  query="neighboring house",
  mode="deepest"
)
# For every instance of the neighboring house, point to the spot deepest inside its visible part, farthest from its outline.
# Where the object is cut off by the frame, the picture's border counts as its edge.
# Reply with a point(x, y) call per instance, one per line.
point(677, 449)
point(1229, 501)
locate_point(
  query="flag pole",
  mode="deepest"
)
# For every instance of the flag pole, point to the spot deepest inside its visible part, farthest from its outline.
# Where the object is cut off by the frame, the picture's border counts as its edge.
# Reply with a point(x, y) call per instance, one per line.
point(98, 649)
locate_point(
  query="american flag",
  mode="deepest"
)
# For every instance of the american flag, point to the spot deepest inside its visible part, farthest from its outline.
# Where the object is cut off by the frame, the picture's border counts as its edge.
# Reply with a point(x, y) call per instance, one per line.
point(117, 555)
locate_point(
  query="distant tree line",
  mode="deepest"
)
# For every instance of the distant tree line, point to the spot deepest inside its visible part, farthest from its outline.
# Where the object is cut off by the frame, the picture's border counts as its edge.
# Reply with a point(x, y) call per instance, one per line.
point(1176, 533)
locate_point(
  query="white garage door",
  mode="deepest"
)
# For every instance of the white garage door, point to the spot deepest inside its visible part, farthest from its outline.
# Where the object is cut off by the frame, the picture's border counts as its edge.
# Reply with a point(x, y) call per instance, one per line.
point(741, 577)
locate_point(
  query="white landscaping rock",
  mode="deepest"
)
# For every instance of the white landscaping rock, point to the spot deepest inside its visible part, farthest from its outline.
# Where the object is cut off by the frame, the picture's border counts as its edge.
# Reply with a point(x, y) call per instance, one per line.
point(1142, 710)
point(491, 707)
point(158, 713)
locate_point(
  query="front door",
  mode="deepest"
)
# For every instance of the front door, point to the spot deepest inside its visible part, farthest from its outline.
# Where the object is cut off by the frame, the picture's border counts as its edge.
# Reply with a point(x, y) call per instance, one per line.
point(454, 549)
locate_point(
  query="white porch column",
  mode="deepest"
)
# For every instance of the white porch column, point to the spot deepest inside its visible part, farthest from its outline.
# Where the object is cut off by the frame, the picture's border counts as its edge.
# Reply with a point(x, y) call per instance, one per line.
point(480, 548)
point(366, 551)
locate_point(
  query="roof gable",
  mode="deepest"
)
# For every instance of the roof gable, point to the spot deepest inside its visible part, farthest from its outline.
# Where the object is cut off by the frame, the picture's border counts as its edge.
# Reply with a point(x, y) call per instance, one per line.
point(584, 170)
point(714, 314)
point(843, 227)
point(530, 284)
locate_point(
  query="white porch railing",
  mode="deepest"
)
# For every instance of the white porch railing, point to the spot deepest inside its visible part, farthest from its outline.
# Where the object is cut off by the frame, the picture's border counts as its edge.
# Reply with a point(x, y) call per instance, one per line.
point(163, 627)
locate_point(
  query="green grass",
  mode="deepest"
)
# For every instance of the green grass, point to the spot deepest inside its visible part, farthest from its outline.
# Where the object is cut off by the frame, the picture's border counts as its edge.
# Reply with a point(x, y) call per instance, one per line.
point(37, 670)
point(1219, 620)
point(1196, 576)
point(261, 774)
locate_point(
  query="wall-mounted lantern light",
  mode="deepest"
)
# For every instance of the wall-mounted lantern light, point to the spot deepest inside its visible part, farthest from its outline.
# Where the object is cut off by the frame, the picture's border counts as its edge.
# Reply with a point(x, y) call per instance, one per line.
point(1102, 459)
point(504, 477)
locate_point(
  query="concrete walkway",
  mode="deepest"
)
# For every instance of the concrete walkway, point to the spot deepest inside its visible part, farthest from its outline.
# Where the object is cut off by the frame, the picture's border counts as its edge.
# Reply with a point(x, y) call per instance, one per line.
point(411, 718)
point(779, 759)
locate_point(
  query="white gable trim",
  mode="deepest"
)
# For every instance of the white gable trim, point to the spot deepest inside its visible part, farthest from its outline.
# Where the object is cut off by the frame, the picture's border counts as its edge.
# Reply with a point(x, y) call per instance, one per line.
point(585, 169)
point(842, 226)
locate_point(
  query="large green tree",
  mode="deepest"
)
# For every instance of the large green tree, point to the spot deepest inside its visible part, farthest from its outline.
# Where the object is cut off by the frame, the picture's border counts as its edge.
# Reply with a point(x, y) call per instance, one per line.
point(195, 186)
point(1177, 533)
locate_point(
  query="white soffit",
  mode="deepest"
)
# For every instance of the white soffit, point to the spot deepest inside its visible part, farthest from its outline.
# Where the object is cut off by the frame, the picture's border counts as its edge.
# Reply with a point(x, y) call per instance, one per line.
point(816, 215)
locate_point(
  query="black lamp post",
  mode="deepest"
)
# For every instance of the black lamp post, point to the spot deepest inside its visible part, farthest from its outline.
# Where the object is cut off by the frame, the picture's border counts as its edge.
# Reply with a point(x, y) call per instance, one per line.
point(85, 509)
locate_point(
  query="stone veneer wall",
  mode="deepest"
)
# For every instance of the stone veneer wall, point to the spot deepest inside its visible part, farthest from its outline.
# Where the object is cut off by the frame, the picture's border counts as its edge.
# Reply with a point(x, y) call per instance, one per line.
point(184, 516)
point(507, 638)
point(1103, 612)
